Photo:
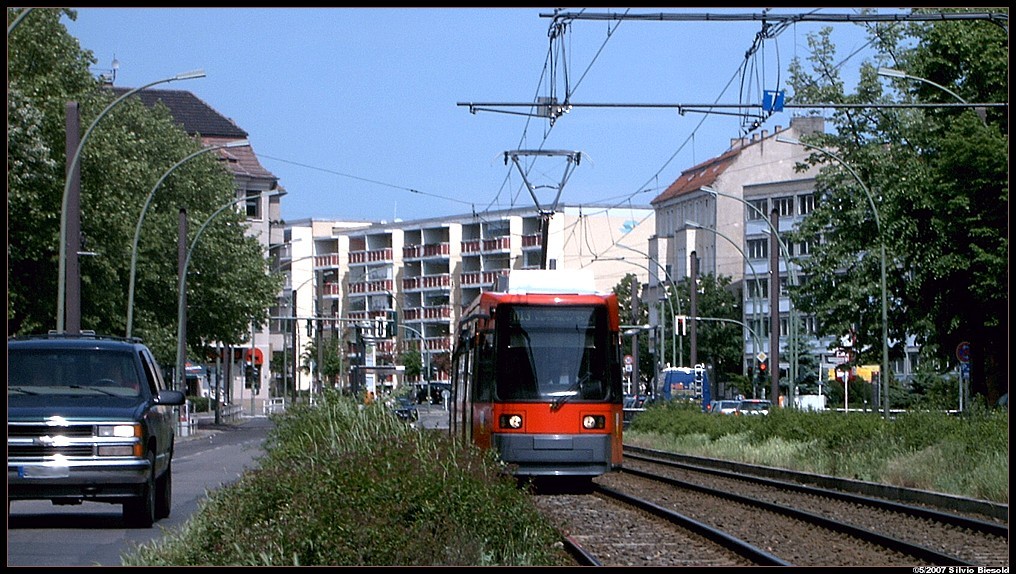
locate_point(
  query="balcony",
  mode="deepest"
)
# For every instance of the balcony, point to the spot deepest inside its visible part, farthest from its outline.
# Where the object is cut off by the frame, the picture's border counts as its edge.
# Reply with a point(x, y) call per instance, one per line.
point(430, 250)
point(471, 246)
point(532, 241)
point(495, 245)
point(373, 256)
point(380, 286)
point(479, 278)
point(439, 313)
point(442, 281)
point(332, 260)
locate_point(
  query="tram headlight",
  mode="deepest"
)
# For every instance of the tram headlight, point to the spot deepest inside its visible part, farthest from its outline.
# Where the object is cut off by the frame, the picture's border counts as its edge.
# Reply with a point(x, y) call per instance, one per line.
point(590, 422)
point(511, 421)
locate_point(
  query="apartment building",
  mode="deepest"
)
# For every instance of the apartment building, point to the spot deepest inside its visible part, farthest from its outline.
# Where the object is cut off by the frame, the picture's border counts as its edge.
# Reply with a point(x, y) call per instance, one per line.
point(721, 210)
point(402, 285)
point(260, 196)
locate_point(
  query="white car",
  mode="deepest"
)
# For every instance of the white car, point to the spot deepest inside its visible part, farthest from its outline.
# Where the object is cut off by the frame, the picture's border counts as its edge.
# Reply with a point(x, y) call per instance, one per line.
point(753, 407)
point(724, 407)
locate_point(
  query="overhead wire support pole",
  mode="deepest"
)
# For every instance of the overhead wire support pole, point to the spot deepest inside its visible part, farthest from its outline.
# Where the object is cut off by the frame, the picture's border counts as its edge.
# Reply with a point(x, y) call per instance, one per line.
point(771, 17)
point(574, 158)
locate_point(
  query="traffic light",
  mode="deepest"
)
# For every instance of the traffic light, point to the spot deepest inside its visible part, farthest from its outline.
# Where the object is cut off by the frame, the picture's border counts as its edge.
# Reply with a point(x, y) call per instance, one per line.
point(763, 369)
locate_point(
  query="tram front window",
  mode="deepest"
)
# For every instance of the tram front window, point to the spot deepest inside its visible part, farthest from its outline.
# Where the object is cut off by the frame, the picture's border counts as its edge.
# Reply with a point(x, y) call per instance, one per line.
point(553, 355)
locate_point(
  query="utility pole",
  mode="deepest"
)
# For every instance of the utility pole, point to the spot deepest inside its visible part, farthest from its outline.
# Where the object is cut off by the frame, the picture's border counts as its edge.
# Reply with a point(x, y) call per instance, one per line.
point(73, 265)
point(636, 375)
point(693, 341)
point(181, 257)
point(774, 307)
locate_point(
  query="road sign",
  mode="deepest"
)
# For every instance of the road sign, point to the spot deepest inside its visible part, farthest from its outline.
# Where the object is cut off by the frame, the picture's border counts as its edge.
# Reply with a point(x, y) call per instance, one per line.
point(761, 357)
point(963, 352)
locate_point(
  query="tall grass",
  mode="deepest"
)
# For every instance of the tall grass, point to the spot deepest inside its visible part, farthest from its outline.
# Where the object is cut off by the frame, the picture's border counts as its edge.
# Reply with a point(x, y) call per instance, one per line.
point(963, 455)
point(346, 485)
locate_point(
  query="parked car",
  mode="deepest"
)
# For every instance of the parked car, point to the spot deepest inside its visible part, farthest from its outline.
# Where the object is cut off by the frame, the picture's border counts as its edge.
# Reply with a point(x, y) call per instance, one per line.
point(753, 407)
point(723, 407)
point(89, 418)
point(404, 408)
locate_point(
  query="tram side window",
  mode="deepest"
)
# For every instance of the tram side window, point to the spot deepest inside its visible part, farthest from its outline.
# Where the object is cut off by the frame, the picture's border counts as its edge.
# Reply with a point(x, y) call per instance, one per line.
point(484, 370)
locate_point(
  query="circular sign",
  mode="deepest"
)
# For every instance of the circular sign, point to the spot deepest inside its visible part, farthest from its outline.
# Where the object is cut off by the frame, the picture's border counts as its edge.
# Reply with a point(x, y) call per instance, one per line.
point(963, 352)
point(259, 357)
point(629, 360)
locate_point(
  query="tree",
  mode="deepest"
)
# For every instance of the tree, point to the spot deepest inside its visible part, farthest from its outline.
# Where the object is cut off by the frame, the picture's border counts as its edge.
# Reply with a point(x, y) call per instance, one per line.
point(413, 361)
point(719, 343)
point(229, 287)
point(939, 180)
point(624, 290)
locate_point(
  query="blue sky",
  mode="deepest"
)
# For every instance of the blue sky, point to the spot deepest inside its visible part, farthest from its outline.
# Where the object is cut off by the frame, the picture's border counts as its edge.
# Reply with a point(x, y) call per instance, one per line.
point(357, 111)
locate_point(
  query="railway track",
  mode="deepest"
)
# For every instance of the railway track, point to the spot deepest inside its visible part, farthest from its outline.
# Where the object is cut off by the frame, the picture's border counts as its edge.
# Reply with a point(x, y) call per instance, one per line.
point(658, 512)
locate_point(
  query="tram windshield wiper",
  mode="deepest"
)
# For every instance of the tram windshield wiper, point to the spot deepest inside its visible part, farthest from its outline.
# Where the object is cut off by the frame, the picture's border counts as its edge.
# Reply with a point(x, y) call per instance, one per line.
point(570, 392)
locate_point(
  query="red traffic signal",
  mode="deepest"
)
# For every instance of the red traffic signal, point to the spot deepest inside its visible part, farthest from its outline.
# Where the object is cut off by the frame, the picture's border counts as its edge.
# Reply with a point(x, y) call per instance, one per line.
point(762, 366)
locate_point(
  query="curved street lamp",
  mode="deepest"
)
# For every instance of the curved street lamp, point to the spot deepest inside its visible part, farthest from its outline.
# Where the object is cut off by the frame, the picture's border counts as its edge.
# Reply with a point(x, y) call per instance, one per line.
point(758, 282)
point(141, 218)
point(881, 236)
point(673, 286)
point(791, 273)
point(71, 167)
point(891, 73)
point(181, 316)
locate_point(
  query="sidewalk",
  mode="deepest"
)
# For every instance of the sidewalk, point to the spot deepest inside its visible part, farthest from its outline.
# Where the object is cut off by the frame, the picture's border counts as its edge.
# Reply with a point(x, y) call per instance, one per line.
point(203, 424)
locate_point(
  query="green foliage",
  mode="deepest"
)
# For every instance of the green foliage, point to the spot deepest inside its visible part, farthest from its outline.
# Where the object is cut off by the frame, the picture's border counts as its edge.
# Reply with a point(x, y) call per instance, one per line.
point(413, 361)
point(963, 455)
point(346, 485)
point(125, 155)
point(938, 178)
point(719, 343)
point(199, 404)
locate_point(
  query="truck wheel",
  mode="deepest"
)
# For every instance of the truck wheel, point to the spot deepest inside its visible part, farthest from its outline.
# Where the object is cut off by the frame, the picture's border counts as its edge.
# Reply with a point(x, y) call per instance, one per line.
point(164, 493)
point(139, 512)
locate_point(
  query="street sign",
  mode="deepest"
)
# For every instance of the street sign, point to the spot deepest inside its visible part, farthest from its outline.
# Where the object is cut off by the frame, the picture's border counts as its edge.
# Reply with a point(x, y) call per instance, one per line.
point(963, 352)
point(761, 357)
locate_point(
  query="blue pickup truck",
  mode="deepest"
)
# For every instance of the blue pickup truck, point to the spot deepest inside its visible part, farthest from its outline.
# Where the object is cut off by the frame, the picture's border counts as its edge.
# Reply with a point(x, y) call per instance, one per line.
point(89, 419)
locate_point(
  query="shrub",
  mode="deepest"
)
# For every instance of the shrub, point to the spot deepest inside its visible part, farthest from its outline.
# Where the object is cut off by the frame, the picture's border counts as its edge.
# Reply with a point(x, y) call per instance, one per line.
point(346, 485)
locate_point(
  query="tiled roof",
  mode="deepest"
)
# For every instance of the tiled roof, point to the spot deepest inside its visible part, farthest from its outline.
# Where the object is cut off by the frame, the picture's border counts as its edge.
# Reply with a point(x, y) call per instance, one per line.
point(191, 112)
point(197, 117)
point(242, 160)
point(702, 175)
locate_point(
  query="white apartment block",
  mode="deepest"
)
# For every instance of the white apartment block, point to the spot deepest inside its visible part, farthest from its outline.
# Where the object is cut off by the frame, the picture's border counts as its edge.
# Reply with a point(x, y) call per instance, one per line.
point(421, 273)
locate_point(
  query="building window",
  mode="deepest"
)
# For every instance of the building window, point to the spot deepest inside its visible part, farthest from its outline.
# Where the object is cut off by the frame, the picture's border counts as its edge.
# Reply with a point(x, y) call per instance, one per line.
point(788, 243)
point(807, 203)
point(804, 247)
point(757, 288)
point(810, 325)
point(758, 248)
point(760, 209)
point(784, 206)
point(253, 204)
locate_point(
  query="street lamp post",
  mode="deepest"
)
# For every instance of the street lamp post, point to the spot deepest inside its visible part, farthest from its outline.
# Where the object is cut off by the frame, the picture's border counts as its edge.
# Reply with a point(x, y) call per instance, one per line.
point(670, 304)
point(675, 350)
point(881, 235)
point(891, 73)
point(791, 273)
point(758, 283)
point(181, 315)
point(423, 350)
point(141, 218)
point(71, 167)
